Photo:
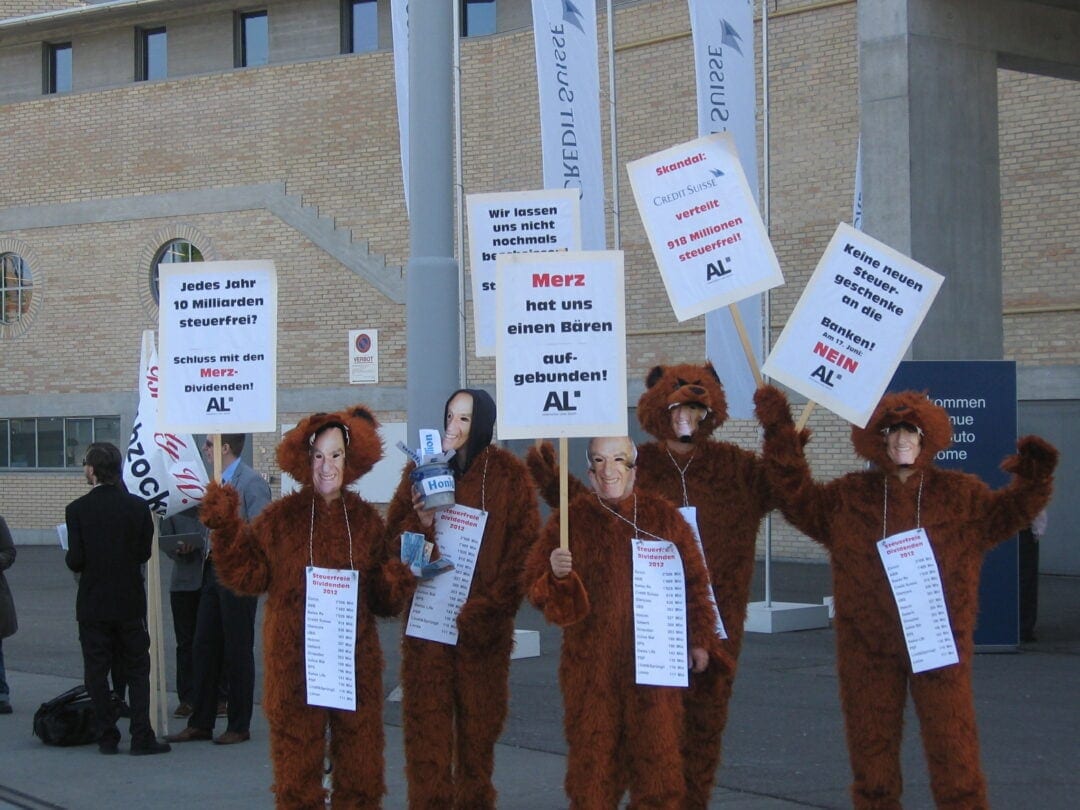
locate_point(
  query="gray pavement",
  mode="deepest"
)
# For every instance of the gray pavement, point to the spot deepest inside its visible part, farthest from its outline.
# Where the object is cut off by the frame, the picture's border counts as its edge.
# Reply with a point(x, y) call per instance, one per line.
point(784, 746)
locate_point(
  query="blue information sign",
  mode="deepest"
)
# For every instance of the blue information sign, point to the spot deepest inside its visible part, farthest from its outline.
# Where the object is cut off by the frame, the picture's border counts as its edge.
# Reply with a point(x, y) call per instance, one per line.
point(980, 396)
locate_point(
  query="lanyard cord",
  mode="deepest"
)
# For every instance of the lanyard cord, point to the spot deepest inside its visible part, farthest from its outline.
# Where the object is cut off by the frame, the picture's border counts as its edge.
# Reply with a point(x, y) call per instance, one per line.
point(885, 508)
point(682, 474)
point(637, 531)
point(311, 532)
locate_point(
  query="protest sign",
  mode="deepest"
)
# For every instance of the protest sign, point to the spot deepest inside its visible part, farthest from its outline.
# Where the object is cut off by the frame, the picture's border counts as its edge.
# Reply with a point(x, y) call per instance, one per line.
point(855, 319)
point(218, 327)
point(514, 222)
point(706, 233)
point(560, 361)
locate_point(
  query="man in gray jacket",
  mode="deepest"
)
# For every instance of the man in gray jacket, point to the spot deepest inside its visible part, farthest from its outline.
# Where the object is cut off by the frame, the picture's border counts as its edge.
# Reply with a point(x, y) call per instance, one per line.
point(225, 627)
point(8, 624)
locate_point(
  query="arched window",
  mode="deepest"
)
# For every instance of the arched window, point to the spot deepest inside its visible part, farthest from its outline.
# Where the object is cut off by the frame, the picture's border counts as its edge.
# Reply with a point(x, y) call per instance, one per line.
point(16, 288)
point(173, 251)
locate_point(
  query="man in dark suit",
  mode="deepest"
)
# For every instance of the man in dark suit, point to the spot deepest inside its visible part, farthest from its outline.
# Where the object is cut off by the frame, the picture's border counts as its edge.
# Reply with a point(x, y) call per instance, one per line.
point(109, 537)
point(225, 627)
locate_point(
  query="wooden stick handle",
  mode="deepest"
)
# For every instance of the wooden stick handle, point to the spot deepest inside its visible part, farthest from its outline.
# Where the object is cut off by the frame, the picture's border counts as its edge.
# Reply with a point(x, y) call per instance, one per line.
point(804, 417)
point(564, 492)
point(748, 350)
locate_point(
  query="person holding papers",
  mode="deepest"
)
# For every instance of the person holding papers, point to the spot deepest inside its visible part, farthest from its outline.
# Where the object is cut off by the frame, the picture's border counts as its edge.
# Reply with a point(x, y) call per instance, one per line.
point(622, 733)
point(724, 490)
point(321, 534)
point(455, 695)
point(906, 541)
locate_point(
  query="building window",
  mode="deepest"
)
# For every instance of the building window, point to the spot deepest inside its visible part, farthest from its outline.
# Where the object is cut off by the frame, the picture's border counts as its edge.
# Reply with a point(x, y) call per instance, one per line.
point(58, 68)
point(53, 442)
point(151, 54)
point(253, 39)
point(16, 288)
point(477, 17)
point(359, 26)
point(172, 252)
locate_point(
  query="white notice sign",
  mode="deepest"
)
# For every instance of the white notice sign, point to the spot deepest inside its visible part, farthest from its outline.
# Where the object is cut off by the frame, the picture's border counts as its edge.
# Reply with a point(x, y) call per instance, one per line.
point(363, 356)
point(218, 357)
point(541, 221)
point(459, 530)
point(916, 586)
point(855, 319)
point(689, 514)
point(660, 637)
point(560, 363)
point(330, 637)
point(705, 229)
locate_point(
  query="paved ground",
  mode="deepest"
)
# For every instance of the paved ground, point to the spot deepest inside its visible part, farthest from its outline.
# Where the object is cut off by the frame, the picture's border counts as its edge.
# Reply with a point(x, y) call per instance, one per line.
point(784, 743)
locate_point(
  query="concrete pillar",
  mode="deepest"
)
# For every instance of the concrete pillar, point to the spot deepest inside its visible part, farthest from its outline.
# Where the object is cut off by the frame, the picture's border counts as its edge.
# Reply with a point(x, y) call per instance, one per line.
point(930, 165)
point(431, 308)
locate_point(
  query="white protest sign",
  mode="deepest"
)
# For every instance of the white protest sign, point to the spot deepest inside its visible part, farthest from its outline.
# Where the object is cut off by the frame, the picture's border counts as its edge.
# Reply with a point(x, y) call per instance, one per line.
point(916, 585)
point(330, 637)
point(363, 356)
point(218, 355)
point(560, 363)
point(706, 233)
point(661, 644)
point(855, 319)
point(514, 222)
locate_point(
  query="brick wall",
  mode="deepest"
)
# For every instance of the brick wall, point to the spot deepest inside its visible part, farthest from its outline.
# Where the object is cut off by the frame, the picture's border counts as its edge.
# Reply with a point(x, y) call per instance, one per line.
point(328, 129)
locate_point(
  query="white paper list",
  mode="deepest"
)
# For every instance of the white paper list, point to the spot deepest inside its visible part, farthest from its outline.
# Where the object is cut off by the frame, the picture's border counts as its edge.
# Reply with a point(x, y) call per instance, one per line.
point(916, 586)
point(459, 531)
point(330, 637)
point(660, 637)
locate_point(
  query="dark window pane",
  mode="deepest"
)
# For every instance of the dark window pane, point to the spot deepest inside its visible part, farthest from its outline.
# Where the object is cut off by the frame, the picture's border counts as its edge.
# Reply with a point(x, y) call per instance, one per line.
point(155, 54)
point(60, 68)
point(50, 442)
point(255, 39)
point(364, 26)
point(107, 429)
point(478, 18)
point(78, 434)
point(23, 443)
point(4, 443)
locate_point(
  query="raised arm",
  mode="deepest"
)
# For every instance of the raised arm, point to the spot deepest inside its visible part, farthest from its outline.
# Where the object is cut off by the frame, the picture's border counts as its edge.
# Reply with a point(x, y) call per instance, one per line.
point(563, 600)
point(545, 472)
point(239, 557)
point(1015, 505)
point(803, 502)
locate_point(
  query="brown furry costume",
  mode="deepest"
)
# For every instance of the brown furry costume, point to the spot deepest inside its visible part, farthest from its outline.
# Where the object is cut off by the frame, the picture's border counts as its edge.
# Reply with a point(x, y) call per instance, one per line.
point(728, 487)
point(620, 734)
point(963, 518)
point(270, 556)
point(455, 698)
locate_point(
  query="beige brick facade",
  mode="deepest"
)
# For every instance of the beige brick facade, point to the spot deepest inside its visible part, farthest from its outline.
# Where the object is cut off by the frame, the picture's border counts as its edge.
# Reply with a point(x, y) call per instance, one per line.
point(327, 129)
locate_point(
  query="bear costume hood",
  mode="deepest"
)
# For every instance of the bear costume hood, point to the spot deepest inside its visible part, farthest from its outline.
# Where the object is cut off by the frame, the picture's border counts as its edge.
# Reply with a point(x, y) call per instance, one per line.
point(914, 408)
point(667, 387)
point(363, 446)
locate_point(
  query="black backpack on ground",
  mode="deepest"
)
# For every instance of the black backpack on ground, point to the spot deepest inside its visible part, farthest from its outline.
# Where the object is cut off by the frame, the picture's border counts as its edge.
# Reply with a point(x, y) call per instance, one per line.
point(68, 719)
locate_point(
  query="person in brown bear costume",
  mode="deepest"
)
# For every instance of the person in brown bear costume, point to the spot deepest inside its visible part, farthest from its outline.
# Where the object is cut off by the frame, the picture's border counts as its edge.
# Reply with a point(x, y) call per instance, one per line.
point(681, 408)
point(963, 518)
point(455, 698)
point(620, 734)
point(328, 526)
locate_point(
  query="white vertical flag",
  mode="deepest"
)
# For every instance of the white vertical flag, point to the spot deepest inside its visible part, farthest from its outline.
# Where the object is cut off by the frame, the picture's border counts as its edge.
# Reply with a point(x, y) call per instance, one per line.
point(723, 33)
point(399, 10)
point(569, 84)
point(164, 469)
